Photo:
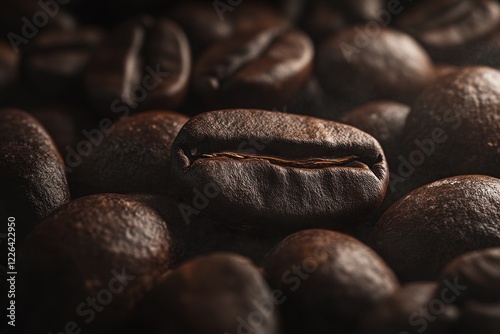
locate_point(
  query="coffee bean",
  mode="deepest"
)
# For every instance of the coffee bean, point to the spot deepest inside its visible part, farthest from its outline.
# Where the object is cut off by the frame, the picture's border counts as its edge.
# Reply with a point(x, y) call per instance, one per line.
point(480, 318)
point(363, 66)
point(429, 227)
point(135, 149)
point(259, 69)
point(452, 129)
point(31, 172)
point(479, 272)
point(328, 279)
point(412, 310)
point(278, 171)
point(217, 293)
point(143, 65)
point(384, 120)
point(55, 61)
point(449, 28)
point(90, 262)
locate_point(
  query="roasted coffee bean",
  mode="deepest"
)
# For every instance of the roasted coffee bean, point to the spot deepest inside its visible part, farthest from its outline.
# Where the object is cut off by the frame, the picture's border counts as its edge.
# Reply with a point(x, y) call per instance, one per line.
point(278, 171)
point(258, 69)
point(32, 178)
point(449, 28)
point(429, 227)
point(213, 294)
point(479, 272)
point(54, 62)
point(67, 125)
point(384, 120)
point(8, 70)
point(388, 65)
point(452, 129)
point(143, 65)
point(90, 262)
point(328, 281)
point(132, 155)
point(411, 310)
point(480, 318)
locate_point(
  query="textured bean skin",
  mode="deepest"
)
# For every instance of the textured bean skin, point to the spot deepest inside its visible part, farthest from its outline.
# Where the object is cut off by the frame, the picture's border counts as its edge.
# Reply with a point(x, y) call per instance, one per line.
point(452, 129)
point(76, 252)
point(278, 171)
point(32, 178)
point(329, 280)
point(137, 150)
point(429, 227)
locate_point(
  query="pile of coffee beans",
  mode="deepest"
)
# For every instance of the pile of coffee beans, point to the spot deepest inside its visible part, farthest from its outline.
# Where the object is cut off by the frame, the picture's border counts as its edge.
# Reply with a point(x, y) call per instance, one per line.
point(250, 167)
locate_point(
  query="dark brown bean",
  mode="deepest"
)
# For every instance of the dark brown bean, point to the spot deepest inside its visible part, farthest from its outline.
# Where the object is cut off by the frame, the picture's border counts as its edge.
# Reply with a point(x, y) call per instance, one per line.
point(258, 69)
point(32, 178)
point(213, 294)
point(479, 272)
point(452, 130)
point(104, 250)
point(450, 28)
point(361, 67)
point(143, 65)
point(328, 279)
point(275, 171)
point(132, 156)
point(429, 227)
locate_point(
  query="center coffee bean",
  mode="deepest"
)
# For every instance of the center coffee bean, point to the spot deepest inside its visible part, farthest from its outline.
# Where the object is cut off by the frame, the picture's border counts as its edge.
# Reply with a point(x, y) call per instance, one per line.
point(278, 171)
